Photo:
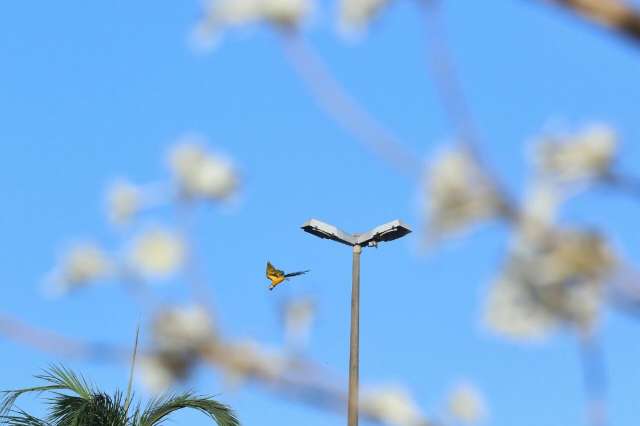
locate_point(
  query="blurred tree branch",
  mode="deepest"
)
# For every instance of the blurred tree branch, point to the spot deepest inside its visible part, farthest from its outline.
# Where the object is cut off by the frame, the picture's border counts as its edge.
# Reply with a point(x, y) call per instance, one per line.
point(344, 108)
point(51, 342)
point(615, 15)
point(302, 380)
point(595, 379)
point(625, 184)
point(454, 101)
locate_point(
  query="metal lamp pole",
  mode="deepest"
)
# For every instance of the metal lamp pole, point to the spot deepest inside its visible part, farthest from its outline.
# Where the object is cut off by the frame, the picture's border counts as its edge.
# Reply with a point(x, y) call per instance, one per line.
point(387, 232)
point(354, 342)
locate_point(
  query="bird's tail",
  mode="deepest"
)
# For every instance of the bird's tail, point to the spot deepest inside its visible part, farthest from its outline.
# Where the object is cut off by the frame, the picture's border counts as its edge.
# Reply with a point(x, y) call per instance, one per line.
point(294, 274)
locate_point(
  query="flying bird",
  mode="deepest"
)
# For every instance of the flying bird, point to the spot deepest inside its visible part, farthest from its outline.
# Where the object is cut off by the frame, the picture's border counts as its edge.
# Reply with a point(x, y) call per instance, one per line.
point(276, 276)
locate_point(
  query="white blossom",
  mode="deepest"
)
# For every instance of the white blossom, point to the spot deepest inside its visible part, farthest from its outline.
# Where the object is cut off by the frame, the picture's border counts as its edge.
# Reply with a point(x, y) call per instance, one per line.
point(157, 253)
point(391, 404)
point(234, 12)
point(466, 404)
point(83, 263)
point(512, 311)
point(183, 328)
point(458, 193)
point(357, 14)
point(584, 155)
point(220, 15)
point(539, 211)
point(124, 201)
point(156, 375)
point(243, 359)
point(161, 370)
point(288, 13)
point(200, 173)
point(558, 280)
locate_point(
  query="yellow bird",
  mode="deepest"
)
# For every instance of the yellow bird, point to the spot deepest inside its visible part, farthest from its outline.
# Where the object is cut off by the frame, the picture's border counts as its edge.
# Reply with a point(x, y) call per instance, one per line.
point(276, 276)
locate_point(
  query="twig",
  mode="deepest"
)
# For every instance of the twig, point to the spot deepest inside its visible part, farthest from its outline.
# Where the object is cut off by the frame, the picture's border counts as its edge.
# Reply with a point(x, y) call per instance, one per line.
point(595, 379)
point(625, 184)
point(51, 342)
point(192, 269)
point(446, 79)
point(454, 102)
point(615, 15)
point(345, 109)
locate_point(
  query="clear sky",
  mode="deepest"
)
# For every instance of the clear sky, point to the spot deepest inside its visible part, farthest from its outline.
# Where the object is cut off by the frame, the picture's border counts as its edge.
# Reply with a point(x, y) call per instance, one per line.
point(94, 90)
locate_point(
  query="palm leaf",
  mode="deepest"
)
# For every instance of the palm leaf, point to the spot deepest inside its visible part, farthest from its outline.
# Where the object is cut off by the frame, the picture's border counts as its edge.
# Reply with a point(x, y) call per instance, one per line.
point(60, 378)
point(101, 409)
point(21, 418)
point(159, 408)
point(88, 407)
point(127, 402)
point(66, 379)
point(10, 397)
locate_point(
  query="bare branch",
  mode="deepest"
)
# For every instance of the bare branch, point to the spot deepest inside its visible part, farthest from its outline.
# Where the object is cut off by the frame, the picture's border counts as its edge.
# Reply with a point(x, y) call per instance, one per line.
point(454, 101)
point(192, 269)
point(614, 15)
point(595, 379)
point(625, 184)
point(345, 109)
point(446, 79)
point(51, 342)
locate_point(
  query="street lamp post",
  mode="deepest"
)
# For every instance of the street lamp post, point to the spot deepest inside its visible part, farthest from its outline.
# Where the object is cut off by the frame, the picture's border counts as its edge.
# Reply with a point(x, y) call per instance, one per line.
point(354, 340)
point(387, 232)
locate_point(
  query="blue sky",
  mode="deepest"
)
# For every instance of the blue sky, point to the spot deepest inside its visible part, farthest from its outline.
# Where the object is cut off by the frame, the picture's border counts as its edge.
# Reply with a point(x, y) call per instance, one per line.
point(94, 90)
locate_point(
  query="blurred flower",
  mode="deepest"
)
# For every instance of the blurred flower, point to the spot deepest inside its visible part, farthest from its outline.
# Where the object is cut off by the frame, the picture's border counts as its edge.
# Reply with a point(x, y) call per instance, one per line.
point(200, 173)
point(285, 13)
point(458, 193)
point(159, 371)
point(391, 404)
point(155, 375)
point(548, 283)
point(574, 254)
point(586, 154)
point(182, 329)
point(124, 201)
point(356, 14)
point(298, 318)
point(234, 12)
point(539, 210)
point(513, 311)
point(466, 404)
point(223, 14)
point(80, 265)
point(157, 253)
point(248, 358)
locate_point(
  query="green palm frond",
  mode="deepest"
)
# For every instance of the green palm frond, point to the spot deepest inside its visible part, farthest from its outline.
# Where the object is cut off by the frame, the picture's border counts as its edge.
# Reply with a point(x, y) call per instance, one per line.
point(66, 379)
point(158, 409)
point(101, 409)
point(127, 402)
point(9, 397)
point(21, 418)
point(73, 401)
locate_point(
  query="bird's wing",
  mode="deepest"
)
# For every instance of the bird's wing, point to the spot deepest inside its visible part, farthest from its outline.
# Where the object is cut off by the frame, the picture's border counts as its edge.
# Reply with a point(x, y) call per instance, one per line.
point(270, 269)
point(293, 274)
point(275, 281)
point(273, 273)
